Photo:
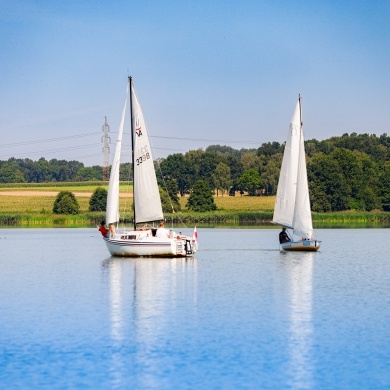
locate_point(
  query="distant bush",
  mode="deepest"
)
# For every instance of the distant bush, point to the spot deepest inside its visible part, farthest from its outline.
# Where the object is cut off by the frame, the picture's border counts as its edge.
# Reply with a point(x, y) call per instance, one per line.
point(98, 200)
point(66, 203)
point(201, 197)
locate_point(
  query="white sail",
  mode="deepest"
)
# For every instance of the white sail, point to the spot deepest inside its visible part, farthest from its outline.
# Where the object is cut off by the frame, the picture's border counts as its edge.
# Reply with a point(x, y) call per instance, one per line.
point(146, 193)
point(302, 221)
point(292, 206)
point(287, 186)
point(112, 209)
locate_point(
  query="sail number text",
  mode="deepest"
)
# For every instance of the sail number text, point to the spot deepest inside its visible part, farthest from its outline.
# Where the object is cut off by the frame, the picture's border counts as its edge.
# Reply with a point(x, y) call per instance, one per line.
point(143, 154)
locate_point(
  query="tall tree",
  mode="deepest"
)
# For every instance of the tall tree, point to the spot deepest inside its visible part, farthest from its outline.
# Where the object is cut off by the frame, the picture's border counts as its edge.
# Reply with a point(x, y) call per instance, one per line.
point(176, 167)
point(249, 181)
point(221, 178)
point(327, 182)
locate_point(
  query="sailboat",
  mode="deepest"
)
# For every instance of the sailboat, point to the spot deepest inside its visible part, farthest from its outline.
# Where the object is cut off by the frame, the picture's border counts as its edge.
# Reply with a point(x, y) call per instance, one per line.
point(292, 205)
point(143, 239)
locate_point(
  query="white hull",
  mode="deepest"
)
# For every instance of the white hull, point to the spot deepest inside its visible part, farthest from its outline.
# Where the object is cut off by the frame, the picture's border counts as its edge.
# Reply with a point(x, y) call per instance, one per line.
point(142, 243)
point(304, 245)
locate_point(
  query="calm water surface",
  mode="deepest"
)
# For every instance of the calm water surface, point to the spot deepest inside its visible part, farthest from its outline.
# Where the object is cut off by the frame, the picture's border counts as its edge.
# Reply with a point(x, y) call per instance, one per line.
point(240, 315)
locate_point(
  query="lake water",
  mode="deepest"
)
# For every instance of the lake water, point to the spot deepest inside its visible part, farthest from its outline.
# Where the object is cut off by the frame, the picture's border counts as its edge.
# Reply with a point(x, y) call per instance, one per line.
point(240, 315)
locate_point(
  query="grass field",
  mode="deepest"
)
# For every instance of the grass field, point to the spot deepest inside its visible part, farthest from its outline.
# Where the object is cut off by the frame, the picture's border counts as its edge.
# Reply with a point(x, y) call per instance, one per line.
point(33, 205)
point(39, 200)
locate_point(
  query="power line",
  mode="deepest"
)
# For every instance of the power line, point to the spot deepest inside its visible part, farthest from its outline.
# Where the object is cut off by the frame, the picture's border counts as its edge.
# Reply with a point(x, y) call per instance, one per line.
point(96, 133)
point(48, 140)
point(56, 150)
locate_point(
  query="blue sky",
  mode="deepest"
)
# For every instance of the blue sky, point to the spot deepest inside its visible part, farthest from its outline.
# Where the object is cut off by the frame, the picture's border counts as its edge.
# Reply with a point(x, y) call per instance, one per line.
point(206, 72)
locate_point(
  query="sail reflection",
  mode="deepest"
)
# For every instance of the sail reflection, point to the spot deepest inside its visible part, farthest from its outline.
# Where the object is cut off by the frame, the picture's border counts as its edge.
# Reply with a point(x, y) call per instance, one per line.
point(115, 302)
point(148, 301)
point(298, 279)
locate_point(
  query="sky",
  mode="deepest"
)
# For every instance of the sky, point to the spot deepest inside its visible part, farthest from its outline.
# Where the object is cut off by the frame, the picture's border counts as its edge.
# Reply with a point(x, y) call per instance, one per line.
point(206, 72)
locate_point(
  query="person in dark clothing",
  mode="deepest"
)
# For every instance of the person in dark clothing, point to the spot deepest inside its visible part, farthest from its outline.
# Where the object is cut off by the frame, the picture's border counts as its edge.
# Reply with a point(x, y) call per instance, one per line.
point(283, 236)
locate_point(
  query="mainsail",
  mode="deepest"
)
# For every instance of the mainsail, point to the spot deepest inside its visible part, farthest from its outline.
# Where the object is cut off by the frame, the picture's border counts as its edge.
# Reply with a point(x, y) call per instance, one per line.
point(287, 186)
point(147, 202)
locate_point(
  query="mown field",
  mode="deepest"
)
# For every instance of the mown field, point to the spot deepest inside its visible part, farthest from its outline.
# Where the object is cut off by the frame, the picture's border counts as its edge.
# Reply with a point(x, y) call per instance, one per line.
point(40, 201)
point(32, 205)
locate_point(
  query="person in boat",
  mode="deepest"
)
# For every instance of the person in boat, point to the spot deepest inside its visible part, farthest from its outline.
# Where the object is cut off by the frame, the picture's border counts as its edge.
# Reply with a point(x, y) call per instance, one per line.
point(111, 228)
point(161, 231)
point(283, 236)
point(103, 229)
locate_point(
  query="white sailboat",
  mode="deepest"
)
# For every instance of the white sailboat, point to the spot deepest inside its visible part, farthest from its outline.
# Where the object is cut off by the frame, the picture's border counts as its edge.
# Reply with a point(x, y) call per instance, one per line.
point(145, 240)
point(292, 205)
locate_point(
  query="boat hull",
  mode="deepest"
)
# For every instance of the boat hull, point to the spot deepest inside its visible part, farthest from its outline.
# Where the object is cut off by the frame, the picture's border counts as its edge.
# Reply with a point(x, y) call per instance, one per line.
point(142, 244)
point(301, 246)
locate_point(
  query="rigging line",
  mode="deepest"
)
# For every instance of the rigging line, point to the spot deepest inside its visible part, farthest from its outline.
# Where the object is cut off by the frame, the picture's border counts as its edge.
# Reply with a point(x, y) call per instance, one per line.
point(78, 157)
point(157, 162)
point(48, 140)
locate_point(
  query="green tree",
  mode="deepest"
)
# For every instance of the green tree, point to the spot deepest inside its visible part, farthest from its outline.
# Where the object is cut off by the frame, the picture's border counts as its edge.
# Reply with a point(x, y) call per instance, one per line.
point(172, 189)
point(42, 171)
point(201, 197)
point(367, 199)
point(319, 200)
point(327, 182)
point(249, 181)
point(98, 200)
point(169, 199)
point(221, 178)
point(269, 149)
point(250, 161)
point(236, 170)
point(385, 187)
point(10, 173)
point(125, 172)
point(350, 167)
point(168, 205)
point(269, 177)
point(208, 164)
point(226, 151)
point(176, 167)
point(89, 173)
point(66, 203)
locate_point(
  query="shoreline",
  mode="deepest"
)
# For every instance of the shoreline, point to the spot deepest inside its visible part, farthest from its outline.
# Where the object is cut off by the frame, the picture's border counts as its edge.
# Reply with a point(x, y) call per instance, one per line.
point(221, 218)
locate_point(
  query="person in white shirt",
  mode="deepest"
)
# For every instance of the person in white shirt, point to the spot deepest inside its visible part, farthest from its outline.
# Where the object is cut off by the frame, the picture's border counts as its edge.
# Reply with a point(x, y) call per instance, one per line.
point(162, 232)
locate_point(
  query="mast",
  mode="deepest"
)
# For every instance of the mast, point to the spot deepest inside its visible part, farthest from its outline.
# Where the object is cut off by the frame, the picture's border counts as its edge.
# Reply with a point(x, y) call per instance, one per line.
point(300, 111)
point(132, 141)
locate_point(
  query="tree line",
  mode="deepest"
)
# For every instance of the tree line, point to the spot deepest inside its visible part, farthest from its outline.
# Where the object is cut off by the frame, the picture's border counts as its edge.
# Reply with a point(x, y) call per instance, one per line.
point(351, 171)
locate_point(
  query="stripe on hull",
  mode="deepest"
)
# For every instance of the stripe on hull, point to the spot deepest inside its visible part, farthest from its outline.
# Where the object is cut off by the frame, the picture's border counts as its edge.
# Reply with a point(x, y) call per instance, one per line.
point(301, 246)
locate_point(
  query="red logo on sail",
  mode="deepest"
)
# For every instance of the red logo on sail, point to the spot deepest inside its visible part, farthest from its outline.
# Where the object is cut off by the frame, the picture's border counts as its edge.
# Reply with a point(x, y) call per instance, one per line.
point(138, 128)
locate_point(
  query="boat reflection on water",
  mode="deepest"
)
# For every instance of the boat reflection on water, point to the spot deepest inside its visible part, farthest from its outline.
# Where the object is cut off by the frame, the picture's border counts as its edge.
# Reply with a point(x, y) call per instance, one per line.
point(145, 301)
point(296, 271)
